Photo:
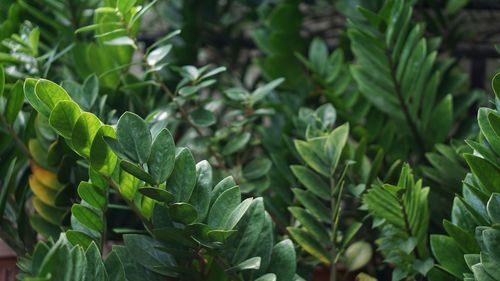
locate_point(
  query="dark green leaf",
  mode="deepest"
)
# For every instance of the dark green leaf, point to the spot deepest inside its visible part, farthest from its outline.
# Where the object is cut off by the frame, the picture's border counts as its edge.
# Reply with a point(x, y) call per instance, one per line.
point(134, 137)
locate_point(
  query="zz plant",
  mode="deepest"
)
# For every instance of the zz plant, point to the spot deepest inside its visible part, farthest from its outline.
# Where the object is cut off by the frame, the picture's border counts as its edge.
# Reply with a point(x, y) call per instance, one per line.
point(470, 250)
point(192, 229)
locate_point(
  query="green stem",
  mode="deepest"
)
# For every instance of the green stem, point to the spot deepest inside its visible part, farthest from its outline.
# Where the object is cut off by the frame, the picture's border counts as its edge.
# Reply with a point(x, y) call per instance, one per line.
point(130, 203)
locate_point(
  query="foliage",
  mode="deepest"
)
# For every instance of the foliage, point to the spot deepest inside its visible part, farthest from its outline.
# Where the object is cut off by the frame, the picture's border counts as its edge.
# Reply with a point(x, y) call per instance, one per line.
point(469, 250)
point(194, 140)
point(401, 213)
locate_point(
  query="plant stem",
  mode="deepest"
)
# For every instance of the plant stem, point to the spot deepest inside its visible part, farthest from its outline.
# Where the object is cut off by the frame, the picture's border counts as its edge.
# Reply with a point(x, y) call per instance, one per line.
point(333, 250)
point(130, 203)
point(224, 265)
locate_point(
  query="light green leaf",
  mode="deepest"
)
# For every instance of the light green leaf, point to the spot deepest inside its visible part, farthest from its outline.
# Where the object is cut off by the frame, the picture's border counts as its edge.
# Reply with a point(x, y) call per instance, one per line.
point(158, 54)
point(250, 264)
point(309, 244)
point(50, 93)
point(125, 5)
point(263, 91)
point(64, 116)
point(36, 103)
point(334, 145)
point(102, 158)
point(84, 132)
point(92, 195)
point(358, 255)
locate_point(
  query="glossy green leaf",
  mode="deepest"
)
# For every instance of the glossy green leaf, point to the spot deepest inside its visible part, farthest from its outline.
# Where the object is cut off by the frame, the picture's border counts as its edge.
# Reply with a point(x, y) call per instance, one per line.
point(36, 103)
point(76, 237)
point(495, 85)
point(223, 207)
point(310, 155)
point(87, 217)
point(137, 171)
point(487, 173)
point(263, 91)
point(102, 158)
point(50, 93)
point(250, 264)
point(183, 178)
point(92, 195)
point(64, 116)
point(283, 261)
point(84, 132)
point(162, 158)
point(157, 194)
point(493, 208)
point(134, 137)
point(158, 54)
point(449, 255)
point(334, 145)
point(183, 212)
point(200, 198)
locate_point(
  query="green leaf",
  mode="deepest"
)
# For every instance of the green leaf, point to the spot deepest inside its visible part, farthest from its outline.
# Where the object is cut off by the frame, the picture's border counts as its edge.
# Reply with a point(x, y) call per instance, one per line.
point(64, 117)
point(15, 100)
point(350, 233)
point(251, 227)
point(487, 130)
point(157, 194)
point(158, 54)
point(236, 144)
point(202, 117)
point(334, 145)
point(358, 255)
point(449, 255)
point(263, 91)
point(95, 269)
point(312, 181)
point(183, 212)
point(88, 217)
point(311, 224)
point(125, 5)
point(76, 237)
point(36, 103)
point(237, 214)
point(102, 158)
point(318, 55)
point(92, 195)
point(309, 244)
point(223, 207)
point(465, 241)
point(313, 205)
point(114, 267)
point(50, 93)
point(250, 264)
point(84, 132)
point(493, 208)
point(309, 153)
point(495, 85)
point(267, 277)
point(257, 168)
point(441, 120)
point(283, 261)
point(487, 173)
point(183, 178)
point(134, 137)
point(200, 198)
point(137, 172)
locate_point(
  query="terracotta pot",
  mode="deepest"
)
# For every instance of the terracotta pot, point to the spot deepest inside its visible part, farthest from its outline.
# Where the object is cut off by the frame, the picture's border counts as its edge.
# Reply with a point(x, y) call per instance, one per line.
point(8, 259)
